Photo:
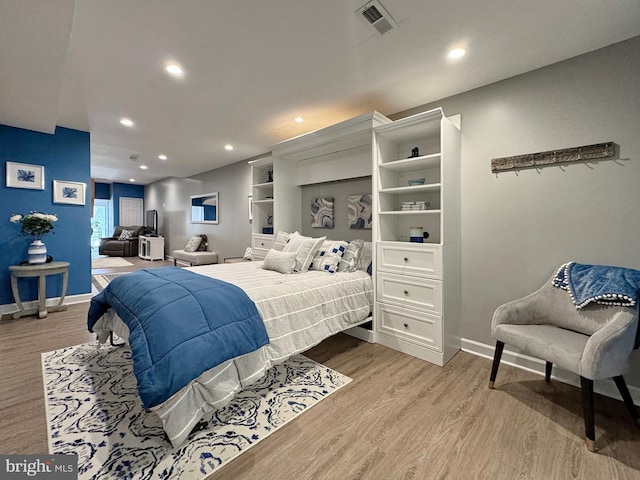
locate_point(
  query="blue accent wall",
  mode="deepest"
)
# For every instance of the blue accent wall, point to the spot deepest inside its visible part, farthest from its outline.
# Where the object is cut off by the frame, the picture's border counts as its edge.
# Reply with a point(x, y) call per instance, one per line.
point(125, 190)
point(65, 156)
point(102, 191)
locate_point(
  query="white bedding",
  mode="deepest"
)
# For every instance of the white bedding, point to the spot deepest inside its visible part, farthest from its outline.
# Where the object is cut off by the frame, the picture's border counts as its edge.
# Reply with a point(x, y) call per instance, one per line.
point(299, 311)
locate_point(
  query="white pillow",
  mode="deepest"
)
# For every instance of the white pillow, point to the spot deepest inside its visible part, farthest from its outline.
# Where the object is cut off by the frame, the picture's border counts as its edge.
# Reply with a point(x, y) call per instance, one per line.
point(328, 256)
point(350, 261)
point(366, 255)
point(305, 248)
point(281, 240)
point(283, 262)
point(193, 244)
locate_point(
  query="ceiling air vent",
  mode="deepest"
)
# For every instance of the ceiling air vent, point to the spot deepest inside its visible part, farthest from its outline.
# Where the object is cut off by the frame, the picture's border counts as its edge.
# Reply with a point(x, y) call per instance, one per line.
point(377, 16)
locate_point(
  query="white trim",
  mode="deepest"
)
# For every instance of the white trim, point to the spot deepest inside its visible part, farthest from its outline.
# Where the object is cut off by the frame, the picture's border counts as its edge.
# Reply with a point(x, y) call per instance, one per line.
point(362, 334)
point(509, 357)
point(68, 300)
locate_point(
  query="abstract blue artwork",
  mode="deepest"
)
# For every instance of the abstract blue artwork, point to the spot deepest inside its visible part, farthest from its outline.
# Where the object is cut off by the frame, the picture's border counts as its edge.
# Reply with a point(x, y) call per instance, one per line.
point(359, 215)
point(22, 175)
point(322, 212)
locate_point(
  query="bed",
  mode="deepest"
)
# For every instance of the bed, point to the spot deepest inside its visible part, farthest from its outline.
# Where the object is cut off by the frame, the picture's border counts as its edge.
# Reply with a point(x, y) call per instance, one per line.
point(298, 310)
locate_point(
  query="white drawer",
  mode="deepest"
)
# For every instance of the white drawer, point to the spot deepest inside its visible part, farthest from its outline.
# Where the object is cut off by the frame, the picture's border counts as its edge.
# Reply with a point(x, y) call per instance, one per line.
point(421, 328)
point(410, 292)
point(416, 259)
point(262, 241)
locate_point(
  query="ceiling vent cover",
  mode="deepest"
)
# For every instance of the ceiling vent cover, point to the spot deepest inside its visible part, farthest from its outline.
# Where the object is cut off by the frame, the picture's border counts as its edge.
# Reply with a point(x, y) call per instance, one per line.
point(377, 16)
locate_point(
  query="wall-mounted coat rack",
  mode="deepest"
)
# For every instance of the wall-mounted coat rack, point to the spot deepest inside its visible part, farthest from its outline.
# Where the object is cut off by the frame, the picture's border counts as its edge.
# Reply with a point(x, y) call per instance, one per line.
point(554, 157)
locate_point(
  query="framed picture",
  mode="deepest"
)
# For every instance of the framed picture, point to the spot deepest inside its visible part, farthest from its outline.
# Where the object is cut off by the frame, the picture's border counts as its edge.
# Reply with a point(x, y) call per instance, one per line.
point(322, 212)
point(22, 175)
point(68, 192)
point(359, 211)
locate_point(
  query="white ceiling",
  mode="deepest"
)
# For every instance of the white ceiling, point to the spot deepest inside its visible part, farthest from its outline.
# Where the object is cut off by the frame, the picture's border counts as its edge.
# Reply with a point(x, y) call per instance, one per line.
point(252, 66)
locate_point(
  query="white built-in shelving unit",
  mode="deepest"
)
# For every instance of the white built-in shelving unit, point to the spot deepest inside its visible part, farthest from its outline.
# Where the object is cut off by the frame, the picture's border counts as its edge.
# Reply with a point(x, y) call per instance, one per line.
point(418, 284)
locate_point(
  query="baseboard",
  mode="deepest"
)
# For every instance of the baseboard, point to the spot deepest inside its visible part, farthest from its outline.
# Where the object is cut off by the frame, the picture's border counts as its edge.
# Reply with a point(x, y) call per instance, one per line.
point(362, 334)
point(11, 308)
point(604, 387)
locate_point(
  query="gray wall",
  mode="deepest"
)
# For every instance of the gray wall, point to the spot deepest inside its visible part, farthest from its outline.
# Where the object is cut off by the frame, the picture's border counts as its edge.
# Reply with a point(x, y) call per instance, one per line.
point(518, 227)
point(171, 197)
point(340, 192)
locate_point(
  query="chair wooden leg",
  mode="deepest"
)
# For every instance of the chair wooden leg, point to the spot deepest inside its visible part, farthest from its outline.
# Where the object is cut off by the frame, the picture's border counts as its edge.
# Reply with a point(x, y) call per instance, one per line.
point(496, 363)
point(547, 372)
point(626, 396)
point(588, 413)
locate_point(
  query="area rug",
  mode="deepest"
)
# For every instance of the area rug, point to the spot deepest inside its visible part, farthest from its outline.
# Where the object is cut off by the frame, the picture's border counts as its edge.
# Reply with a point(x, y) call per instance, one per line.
point(93, 410)
point(109, 262)
point(102, 280)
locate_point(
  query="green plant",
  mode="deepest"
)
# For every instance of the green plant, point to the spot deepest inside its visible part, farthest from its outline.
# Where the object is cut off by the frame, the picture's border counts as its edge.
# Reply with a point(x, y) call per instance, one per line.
point(35, 224)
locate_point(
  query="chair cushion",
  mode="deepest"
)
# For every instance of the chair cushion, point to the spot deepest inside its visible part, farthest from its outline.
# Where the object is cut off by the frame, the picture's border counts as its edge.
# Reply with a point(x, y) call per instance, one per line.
point(196, 258)
point(561, 347)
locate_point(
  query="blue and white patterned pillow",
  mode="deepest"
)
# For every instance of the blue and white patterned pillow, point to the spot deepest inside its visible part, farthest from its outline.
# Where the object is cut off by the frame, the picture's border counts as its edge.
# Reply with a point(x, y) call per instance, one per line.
point(328, 256)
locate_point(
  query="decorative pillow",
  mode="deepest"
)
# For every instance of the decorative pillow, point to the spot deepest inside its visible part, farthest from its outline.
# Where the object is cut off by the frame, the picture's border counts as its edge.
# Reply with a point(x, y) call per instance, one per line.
point(366, 255)
point(305, 248)
point(125, 235)
point(328, 256)
point(247, 253)
point(193, 244)
point(204, 243)
point(281, 240)
point(283, 262)
point(350, 261)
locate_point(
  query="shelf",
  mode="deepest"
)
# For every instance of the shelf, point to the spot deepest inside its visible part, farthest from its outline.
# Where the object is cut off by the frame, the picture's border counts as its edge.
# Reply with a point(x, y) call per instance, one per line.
point(263, 185)
point(268, 200)
point(431, 187)
point(415, 163)
point(410, 212)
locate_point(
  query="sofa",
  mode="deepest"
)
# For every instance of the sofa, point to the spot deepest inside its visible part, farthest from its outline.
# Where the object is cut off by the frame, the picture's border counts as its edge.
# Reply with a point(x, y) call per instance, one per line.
point(118, 246)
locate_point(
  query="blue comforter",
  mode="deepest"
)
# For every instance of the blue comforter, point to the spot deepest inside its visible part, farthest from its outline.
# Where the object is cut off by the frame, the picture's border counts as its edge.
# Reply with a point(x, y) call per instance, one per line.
point(181, 324)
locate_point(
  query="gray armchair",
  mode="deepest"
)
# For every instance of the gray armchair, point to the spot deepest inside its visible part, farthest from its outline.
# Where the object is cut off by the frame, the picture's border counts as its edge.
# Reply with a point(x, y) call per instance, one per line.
point(594, 342)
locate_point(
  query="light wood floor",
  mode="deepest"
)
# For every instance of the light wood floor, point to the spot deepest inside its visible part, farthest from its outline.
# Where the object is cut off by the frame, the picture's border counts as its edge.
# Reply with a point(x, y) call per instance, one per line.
point(400, 418)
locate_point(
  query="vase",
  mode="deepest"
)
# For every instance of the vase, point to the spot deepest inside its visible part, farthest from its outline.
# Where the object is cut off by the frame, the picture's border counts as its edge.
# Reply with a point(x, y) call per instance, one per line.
point(37, 252)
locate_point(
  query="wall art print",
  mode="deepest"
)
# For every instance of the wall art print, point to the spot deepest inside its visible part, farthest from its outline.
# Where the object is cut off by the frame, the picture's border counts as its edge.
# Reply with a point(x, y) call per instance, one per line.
point(359, 211)
point(22, 175)
point(322, 212)
point(68, 192)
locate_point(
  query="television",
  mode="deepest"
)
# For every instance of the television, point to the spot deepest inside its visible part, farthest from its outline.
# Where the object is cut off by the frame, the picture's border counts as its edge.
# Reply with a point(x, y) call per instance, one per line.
point(151, 223)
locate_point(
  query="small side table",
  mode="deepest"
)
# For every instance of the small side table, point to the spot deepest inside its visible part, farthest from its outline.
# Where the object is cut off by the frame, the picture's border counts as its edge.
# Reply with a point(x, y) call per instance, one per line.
point(41, 271)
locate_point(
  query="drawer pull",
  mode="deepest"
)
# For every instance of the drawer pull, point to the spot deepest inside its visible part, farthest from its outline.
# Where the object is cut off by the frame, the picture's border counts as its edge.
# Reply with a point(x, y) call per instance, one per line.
point(406, 325)
point(406, 259)
point(406, 292)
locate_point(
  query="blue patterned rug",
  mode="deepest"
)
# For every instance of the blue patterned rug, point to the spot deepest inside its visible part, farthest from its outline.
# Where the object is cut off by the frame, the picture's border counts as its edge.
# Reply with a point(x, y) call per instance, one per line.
point(93, 410)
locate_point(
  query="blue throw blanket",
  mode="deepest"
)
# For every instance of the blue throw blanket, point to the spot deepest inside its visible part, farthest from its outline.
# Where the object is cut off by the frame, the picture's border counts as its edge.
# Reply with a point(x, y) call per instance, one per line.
point(180, 325)
point(599, 284)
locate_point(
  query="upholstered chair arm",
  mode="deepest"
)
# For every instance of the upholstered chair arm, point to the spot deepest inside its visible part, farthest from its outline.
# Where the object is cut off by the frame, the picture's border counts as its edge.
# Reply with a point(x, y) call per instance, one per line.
point(523, 311)
point(607, 351)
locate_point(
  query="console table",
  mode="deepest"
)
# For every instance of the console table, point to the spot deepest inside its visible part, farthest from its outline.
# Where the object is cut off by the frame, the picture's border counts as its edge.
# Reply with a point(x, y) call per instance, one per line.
point(41, 271)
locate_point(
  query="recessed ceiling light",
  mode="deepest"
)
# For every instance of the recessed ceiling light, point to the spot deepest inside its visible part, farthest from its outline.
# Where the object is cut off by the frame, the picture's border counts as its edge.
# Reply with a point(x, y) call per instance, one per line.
point(143, 167)
point(132, 179)
point(228, 147)
point(298, 119)
point(162, 157)
point(174, 70)
point(126, 122)
point(457, 53)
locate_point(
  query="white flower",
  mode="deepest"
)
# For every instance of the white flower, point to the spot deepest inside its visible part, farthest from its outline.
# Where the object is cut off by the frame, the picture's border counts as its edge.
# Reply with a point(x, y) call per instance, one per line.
point(15, 218)
point(51, 218)
point(39, 215)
